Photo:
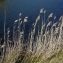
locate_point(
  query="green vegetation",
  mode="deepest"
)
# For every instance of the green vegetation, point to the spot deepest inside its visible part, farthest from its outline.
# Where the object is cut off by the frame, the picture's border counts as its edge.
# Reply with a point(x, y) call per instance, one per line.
point(14, 56)
point(55, 58)
point(11, 57)
point(20, 57)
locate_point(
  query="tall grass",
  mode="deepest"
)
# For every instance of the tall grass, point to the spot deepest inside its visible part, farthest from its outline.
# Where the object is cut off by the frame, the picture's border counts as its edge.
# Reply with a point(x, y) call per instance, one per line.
point(47, 37)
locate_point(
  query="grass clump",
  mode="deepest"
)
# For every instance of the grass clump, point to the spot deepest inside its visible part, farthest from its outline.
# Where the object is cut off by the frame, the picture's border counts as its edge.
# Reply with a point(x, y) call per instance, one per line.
point(18, 57)
point(14, 56)
point(54, 58)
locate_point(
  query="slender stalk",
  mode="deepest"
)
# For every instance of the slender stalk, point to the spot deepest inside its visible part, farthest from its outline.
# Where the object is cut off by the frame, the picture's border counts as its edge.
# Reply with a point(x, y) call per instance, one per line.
point(4, 27)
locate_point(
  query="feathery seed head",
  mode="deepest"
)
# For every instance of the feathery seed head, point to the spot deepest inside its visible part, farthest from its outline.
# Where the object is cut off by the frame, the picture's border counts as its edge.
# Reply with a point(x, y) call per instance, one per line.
point(20, 14)
point(26, 17)
point(16, 20)
point(38, 18)
point(49, 23)
point(51, 15)
point(2, 46)
point(42, 10)
point(25, 20)
point(54, 17)
point(60, 18)
point(54, 24)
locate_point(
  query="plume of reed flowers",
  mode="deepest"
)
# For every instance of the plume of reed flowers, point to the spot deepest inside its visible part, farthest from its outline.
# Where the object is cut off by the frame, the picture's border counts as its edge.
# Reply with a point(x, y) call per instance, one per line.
point(50, 15)
point(45, 37)
point(42, 10)
point(25, 20)
point(14, 32)
point(49, 23)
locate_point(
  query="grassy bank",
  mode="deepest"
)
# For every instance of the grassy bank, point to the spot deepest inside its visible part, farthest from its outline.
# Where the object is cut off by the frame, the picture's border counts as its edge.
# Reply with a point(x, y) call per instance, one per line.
point(45, 58)
point(20, 57)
